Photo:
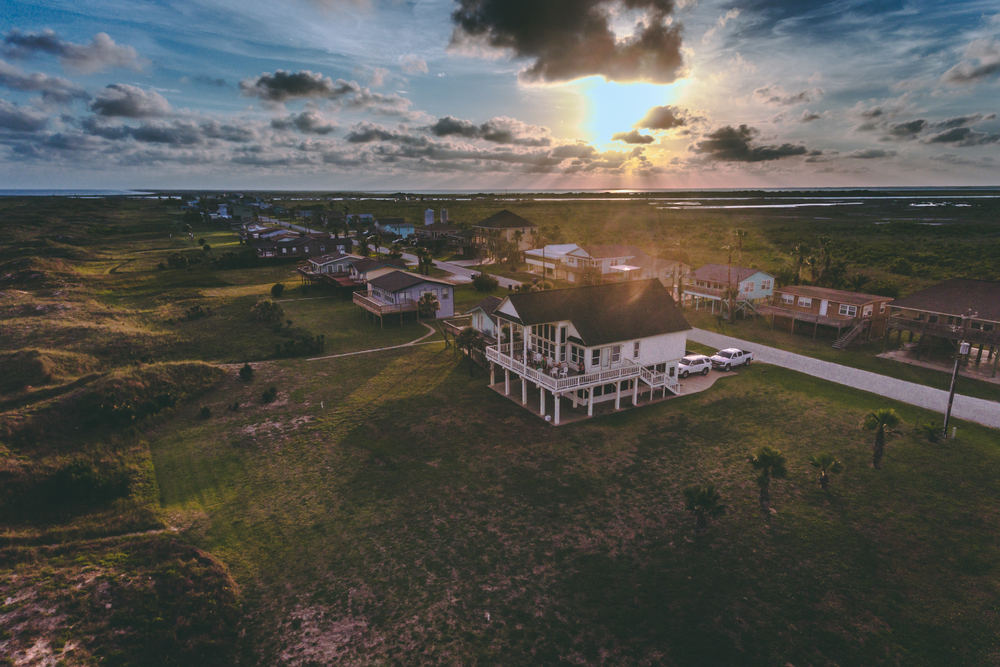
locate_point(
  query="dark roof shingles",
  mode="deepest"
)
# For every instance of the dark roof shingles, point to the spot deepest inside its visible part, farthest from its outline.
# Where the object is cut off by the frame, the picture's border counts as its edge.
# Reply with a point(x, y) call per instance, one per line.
point(505, 220)
point(956, 296)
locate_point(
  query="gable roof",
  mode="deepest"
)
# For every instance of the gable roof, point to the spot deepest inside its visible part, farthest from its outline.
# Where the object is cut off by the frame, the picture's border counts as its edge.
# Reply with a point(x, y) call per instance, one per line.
point(954, 297)
point(719, 273)
point(394, 222)
point(505, 220)
point(608, 251)
point(332, 257)
point(400, 280)
point(836, 295)
point(604, 314)
point(366, 264)
point(487, 305)
point(440, 227)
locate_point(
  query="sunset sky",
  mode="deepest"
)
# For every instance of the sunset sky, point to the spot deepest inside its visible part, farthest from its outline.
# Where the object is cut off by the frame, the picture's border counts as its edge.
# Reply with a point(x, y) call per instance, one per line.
point(494, 94)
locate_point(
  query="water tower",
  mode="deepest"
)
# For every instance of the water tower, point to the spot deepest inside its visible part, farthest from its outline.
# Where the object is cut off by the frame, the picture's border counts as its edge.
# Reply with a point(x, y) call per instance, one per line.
point(444, 216)
point(429, 216)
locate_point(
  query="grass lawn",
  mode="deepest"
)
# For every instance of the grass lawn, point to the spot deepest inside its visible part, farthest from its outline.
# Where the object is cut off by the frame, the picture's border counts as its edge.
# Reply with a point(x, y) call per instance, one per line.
point(859, 355)
point(389, 505)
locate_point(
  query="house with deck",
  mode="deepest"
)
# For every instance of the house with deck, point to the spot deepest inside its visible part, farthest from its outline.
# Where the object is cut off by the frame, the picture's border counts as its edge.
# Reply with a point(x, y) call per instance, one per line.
point(950, 312)
point(587, 345)
point(549, 261)
point(710, 284)
point(397, 293)
point(858, 316)
point(365, 269)
point(483, 318)
point(506, 226)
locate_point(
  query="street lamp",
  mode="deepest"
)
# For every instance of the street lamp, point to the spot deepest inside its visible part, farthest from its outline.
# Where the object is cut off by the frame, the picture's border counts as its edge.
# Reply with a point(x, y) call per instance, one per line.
point(963, 349)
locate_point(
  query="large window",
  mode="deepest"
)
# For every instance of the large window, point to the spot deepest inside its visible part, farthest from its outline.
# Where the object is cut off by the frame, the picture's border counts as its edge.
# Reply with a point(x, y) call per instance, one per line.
point(616, 354)
point(881, 308)
point(805, 301)
point(788, 299)
point(748, 286)
point(595, 357)
point(867, 310)
point(848, 310)
point(635, 350)
point(575, 354)
point(765, 285)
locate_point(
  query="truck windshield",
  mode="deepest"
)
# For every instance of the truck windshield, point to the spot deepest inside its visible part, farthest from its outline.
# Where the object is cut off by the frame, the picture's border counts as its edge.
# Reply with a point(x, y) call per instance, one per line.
point(726, 355)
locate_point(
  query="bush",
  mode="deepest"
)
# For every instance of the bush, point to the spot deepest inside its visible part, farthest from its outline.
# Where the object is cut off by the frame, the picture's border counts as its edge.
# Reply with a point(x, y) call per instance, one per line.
point(206, 248)
point(901, 267)
point(269, 395)
point(277, 290)
point(85, 481)
point(196, 313)
point(268, 312)
point(201, 241)
point(246, 373)
point(205, 412)
point(175, 260)
point(483, 282)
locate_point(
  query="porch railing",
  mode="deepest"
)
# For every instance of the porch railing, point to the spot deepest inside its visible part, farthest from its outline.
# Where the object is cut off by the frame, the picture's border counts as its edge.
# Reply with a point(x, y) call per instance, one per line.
point(379, 307)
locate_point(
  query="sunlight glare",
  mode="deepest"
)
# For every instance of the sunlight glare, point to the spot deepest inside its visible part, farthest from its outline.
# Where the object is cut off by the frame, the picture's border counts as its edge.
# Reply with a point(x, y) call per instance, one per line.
point(615, 107)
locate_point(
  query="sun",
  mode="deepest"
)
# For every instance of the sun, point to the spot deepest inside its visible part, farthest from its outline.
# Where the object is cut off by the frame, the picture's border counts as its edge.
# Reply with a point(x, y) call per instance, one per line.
point(615, 107)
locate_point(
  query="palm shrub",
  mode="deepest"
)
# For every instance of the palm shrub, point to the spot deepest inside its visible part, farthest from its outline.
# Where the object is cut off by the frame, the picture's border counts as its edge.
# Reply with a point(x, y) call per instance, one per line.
point(703, 501)
point(467, 340)
point(277, 289)
point(827, 463)
point(428, 305)
point(246, 373)
point(771, 464)
point(484, 282)
point(932, 430)
point(883, 422)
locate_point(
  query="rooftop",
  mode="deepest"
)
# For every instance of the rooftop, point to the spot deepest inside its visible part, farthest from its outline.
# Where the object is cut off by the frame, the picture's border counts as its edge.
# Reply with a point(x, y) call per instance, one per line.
point(838, 295)
point(505, 220)
point(719, 273)
point(487, 305)
point(400, 280)
point(954, 297)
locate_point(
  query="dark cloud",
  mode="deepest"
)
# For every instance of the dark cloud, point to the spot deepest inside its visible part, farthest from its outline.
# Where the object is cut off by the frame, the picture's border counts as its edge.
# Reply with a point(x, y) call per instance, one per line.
point(809, 116)
point(209, 81)
point(986, 52)
point(578, 150)
point(633, 137)
point(121, 99)
point(961, 121)
point(870, 154)
point(777, 95)
point(283, 86)
point(906, 130)
point(501, 130)
point(102, 53)
point(664, 118)
point(53, 89)
point(963, 136)
point(366, 133)
point(310, 121)
point(178, 132)
point(570, 39)
point(20, 119)
point(729, 144)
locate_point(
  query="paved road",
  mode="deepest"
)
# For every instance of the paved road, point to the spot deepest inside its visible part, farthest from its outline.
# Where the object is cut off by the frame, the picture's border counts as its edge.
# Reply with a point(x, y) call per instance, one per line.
point(972, 409)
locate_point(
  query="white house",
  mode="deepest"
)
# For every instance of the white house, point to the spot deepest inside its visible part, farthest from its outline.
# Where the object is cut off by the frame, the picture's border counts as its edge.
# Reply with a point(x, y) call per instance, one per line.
point(398, 292)
point(483, 318)
point(590, 344)
point(335, 263)
point(550, 260)
point(604, 258)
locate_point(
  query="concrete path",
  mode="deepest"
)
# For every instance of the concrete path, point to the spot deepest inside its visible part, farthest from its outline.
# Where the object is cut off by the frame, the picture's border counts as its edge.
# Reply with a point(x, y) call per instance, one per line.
point(971, 409)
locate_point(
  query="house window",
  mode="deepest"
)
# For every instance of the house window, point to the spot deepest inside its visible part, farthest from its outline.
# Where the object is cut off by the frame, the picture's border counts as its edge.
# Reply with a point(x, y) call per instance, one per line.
point(575, 354)
point(805, 301)
point(635, 350)
point(322, 248)
point(672, 371)
point(284, 250)
point(595, 357)
point(788, 299)
point(847, 310)
point(881, 308)
point(867, 310)
point(562, 335)
point(616, 353)
point(748, 287)
point(765, 285)
point(444, 292)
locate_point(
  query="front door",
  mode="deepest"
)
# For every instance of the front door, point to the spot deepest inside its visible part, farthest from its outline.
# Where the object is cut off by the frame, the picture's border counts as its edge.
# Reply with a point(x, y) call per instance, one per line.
point(822, 307)
point(606, 358)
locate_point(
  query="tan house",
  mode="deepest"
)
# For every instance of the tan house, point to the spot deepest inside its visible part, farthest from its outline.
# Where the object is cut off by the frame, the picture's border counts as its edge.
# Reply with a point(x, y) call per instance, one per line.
point(506, 225)
point(851, 313)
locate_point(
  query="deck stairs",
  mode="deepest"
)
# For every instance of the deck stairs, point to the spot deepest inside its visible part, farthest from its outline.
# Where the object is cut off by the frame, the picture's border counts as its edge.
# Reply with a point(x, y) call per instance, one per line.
point(850, 335)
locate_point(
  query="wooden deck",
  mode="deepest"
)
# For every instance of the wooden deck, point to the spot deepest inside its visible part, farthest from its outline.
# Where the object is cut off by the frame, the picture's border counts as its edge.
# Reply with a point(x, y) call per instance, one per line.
point(951, 332)
point(381, 308)
point(811, 318)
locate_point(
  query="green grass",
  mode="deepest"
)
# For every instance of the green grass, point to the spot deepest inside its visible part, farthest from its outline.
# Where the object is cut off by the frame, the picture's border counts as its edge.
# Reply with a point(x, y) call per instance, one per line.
point(859, 355)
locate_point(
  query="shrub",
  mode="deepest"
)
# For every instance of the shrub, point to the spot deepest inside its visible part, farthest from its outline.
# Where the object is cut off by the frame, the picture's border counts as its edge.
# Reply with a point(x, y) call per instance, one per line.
point(483, 282)
point(246, 373)
point(201, 241)
point(901, 267)
point(205, 412)
point(206, 248)
point(85, 481)
point(268, 312)
point(196, 313)
point(269, 395)
point(175, 260)
point(277, 290)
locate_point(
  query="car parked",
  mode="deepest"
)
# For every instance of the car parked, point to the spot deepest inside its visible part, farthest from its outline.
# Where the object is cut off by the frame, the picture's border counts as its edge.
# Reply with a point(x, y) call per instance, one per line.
point(694, 363)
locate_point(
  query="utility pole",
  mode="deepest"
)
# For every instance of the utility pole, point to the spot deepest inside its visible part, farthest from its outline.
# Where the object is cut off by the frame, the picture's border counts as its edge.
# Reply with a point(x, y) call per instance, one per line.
point(963, 349)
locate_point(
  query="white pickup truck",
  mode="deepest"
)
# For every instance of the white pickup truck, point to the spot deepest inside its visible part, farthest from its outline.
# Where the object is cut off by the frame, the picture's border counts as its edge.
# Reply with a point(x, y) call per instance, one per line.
point(728, 358)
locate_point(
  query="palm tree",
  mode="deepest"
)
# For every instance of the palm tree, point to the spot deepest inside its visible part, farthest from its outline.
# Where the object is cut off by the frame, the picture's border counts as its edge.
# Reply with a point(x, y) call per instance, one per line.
point(882, 421)
point(931, 429)
point(771, 463)
point(834, 274)
point(396, 251)
point(467, 340)
point(826, 462)
point(363, 249)
point(703, 501)
point(425, 260)
point(802, 249)
point(740, 235)
point(785, 276)
point(857, 281)
point(427, 305)
point(813, 263)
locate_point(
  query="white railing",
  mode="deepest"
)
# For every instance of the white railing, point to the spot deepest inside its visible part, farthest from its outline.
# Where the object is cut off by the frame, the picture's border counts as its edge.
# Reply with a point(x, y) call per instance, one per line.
point(557, 384)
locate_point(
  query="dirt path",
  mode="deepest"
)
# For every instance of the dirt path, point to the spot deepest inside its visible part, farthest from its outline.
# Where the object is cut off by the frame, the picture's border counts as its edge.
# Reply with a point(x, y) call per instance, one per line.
point(420, 341)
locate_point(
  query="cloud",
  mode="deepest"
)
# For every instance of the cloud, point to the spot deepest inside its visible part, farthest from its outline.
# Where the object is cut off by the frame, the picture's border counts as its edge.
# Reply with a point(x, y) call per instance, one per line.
point(501, 130)
point(963, 136)
point(121, 99)
point(20, 119)
point(870, 154)
point(378, 77)
point(205, 80)
point(571, 40)
point(177, 132)
point(809, 116)
point(283, 86)
point(412, 64)
point(777, 95)
point(310, 121)
point(961, 121)
point(906, 130)
point(664, 118)
point(53, 89)
point(720, 24)
point(987, 52)
point(366, 133)
point(102, 53)
point(729, 144)
point(633, 137)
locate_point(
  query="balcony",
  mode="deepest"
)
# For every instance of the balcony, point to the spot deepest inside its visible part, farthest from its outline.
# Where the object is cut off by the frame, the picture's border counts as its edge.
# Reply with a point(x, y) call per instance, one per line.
point(381, 308)
point(812, 318)
point(949, 331)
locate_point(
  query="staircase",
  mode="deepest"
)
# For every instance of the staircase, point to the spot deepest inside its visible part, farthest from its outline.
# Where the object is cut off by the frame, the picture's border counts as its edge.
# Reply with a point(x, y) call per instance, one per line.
point(846, 338)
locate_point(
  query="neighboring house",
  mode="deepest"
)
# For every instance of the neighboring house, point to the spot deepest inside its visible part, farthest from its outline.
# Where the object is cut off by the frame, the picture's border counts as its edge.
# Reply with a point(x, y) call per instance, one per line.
point(437, 230)
point(244, 212)
point(336, 263)
point(550, 260)
point(667, 271)
point(604, 259)
point(396, 226)
point(282, 243)
point(709, 282)
point(365, 269)
point(506, 225)
point(862, 315)
point(609, 339)
point(955, 310)
point(482, 317)
point(397, 292)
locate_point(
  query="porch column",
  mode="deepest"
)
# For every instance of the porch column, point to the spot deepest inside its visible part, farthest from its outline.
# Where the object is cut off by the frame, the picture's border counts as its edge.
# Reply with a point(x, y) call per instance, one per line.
point(590, 398)
point(493, 379)
point(541, 400)
point(572, 396)
point(635, 392)
point(524, 390)
point(618, 395)
point(506, 382)
point(558, 400)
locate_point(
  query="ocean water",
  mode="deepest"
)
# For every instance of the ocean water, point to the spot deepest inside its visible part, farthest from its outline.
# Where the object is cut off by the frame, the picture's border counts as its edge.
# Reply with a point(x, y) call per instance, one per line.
point(80, 194)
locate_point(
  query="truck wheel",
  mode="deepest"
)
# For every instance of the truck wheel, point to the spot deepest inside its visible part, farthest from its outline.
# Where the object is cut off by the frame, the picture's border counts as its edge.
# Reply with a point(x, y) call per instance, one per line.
point(705, 372)
point(748, 361)
point(728, 367)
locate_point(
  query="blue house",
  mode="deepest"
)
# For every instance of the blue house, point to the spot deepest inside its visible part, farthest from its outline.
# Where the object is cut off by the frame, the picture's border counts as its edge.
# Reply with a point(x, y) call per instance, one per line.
point(709, 285)
point(396, 226)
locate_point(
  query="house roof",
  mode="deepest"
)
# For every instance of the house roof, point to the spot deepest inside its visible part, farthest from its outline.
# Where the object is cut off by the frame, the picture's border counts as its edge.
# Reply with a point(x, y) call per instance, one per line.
point(604, 314)
point(719, 273)
point(487, 305)
point(505, 220)
point(439, 227)
point(837, 295)
point(332, 257)
point(956, 296)
point(553, 251)
point(366, 264)
point(607, 251)
point(651, 263)
point(400, 280)
point(394, 222)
